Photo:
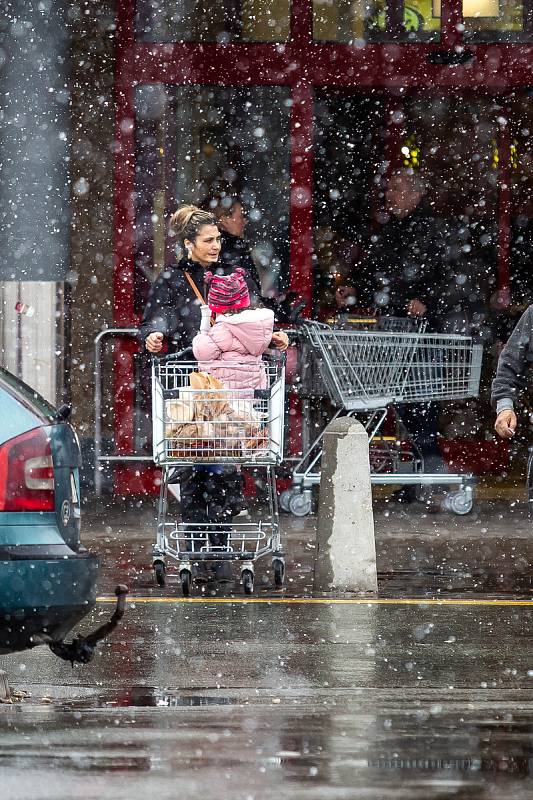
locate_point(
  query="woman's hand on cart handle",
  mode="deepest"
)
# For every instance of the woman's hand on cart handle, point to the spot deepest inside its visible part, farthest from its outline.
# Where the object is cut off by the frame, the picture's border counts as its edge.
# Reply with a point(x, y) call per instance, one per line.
point(280, 340)
point(154, 342)
point(505, 424)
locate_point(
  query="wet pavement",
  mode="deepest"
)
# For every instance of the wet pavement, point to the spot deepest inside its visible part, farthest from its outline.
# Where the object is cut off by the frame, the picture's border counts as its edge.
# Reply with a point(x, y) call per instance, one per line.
point(424, 692)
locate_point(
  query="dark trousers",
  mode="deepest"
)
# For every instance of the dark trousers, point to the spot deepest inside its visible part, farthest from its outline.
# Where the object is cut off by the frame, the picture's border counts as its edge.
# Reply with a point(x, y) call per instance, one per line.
point(211, 494)
point(421, 422)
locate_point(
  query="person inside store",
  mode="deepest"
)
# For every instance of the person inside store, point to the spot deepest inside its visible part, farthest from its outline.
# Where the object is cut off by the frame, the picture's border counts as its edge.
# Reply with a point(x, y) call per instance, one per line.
point(402, 276)
point(172, 317)
point(236, 251)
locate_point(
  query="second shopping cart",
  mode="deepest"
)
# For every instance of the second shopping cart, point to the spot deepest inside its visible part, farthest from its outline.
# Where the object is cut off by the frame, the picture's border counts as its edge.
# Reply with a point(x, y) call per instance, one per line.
point(366, 373)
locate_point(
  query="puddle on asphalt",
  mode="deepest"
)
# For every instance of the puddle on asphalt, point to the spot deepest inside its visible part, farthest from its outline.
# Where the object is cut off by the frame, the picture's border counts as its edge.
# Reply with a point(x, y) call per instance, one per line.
point(147, 697)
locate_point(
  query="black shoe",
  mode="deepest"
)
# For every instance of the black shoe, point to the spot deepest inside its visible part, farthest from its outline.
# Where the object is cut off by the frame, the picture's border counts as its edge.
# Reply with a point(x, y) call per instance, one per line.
point(199, 572)
point(404, 496)
point(222, 572)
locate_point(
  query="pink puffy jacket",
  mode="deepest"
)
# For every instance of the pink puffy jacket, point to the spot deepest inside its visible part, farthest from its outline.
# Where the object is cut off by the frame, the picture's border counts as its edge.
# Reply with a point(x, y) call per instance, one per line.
point(242, 337)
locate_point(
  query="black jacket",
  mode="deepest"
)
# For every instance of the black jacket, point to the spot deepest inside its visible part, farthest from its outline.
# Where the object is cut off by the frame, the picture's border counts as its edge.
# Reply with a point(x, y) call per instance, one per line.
point(514, 361)
point(404, 262)
point(236, 253)
point(173, 309)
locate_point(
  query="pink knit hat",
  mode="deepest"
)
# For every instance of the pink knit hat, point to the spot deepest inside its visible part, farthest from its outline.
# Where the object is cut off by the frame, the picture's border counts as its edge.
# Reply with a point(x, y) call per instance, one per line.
point(227, 292)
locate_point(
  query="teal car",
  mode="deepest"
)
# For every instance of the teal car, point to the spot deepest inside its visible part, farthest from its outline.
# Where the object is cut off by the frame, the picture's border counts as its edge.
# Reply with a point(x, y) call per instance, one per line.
point(47, 577)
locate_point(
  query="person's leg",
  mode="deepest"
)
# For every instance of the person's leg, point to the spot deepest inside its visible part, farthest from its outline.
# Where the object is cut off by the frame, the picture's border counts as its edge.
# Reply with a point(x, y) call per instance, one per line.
point(421, 424)
point(194, 510)
point(224, 490)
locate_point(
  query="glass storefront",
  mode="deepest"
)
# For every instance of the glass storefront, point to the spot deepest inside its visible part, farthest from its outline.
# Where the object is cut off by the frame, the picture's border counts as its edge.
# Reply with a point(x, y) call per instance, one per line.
point(193, 142)
point(418, 21)
point(377, 110)
point(452, 147)
point(223, 21)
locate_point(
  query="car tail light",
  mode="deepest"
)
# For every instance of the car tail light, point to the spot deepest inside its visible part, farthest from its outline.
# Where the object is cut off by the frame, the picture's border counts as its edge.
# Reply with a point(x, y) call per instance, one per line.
point(27, 473)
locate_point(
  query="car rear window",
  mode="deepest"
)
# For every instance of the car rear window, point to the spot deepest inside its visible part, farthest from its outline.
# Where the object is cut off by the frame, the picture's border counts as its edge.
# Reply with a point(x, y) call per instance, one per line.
point(21, 408)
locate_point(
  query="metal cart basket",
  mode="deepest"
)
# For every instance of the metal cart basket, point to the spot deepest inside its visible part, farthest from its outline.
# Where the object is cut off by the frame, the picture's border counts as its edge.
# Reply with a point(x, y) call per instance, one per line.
point(368, 372)
point(196, 422)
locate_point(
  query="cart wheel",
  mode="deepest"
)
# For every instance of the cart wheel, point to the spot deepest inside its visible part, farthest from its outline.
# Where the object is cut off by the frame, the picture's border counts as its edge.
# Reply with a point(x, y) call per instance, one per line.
point(247, 581)
point(300, 504)
point(279, 572)
point(159, 570)
point(285, 499)
point(460, 503)
point(186, 580)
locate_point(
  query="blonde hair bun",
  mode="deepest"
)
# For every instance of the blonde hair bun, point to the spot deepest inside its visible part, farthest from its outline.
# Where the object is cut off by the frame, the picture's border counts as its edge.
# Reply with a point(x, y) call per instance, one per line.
point(185, 223)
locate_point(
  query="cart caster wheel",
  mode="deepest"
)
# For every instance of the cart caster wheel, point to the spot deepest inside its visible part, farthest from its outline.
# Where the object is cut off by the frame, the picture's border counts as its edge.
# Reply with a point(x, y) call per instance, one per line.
point(247, 581)
point(279, 572)
point(460, 503)
point(285, 499)
point(300, 504)
point(186, 580)
point(159, 570)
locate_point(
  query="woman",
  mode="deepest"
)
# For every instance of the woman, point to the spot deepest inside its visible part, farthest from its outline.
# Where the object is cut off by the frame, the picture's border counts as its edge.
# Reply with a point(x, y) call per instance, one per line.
point(173, 312)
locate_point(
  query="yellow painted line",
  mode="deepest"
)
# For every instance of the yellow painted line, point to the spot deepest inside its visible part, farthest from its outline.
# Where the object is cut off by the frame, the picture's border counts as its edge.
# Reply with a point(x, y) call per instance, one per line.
point(320, 601)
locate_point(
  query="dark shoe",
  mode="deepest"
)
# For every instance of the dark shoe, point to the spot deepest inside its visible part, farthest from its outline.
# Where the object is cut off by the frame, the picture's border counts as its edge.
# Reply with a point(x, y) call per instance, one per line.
point(222, 572)
point(404, 496)
point(199, 572)
point(432, 507)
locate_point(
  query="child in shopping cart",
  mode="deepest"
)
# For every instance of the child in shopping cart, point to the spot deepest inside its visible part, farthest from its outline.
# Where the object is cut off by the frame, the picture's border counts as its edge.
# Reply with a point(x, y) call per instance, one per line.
point(231, 349)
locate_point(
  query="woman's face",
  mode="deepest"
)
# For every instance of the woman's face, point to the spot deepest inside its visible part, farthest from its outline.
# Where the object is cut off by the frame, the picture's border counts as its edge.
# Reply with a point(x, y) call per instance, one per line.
point(206, 247)
point(234, 221)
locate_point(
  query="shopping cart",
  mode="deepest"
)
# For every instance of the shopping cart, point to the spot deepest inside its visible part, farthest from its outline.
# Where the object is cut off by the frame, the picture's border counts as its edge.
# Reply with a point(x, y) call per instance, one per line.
point(366, 373)
point(198, 423)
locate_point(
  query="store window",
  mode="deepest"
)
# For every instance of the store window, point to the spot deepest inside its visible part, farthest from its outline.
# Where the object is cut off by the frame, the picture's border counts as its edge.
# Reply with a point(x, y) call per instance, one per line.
point(494, 20)
point(196, 141)
point(450, 148)
point(222, 21)
point(349, 22)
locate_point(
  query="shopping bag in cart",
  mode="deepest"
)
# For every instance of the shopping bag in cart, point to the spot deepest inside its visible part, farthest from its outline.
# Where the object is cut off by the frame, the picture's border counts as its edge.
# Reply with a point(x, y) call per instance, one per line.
point(207, 420)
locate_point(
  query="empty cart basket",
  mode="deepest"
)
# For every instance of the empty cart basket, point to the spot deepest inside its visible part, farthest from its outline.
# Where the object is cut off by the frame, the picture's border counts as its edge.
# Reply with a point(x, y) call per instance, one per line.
point(368, 372)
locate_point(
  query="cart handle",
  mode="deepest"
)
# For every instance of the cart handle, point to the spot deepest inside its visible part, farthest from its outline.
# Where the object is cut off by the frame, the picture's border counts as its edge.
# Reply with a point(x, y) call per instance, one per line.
point(179, 356)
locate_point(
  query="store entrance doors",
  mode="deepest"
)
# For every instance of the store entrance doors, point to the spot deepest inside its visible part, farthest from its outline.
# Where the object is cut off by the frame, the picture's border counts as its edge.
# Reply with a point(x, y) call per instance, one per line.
point(435, 188)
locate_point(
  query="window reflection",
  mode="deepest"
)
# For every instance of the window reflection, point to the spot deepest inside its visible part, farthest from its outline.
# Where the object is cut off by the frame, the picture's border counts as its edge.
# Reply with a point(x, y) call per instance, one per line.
point(195, 141)
point(221, 21)
point(374, 20)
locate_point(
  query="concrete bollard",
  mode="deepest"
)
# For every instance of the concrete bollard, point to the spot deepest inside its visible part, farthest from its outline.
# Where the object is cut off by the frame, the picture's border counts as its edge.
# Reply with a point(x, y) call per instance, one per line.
point(345, 557)
point(5, 692)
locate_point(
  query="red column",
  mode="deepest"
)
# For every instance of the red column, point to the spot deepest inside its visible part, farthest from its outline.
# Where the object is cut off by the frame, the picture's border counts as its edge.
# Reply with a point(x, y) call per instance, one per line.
point(301, 145)
point(301, 193)
point(124, 218)
point(451, 22)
